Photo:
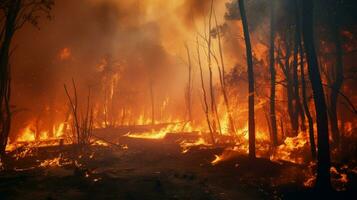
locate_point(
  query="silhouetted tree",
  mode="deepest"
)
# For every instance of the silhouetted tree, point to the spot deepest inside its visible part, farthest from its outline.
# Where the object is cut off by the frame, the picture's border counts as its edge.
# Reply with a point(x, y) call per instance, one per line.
point(336, 74)
point(274, 130)
point(323, 181)
point(306, 105)
point(13, 15)
point(222, 78)
point(206, 109)
point(251, 119)
point(303, 83)
point(298, 110)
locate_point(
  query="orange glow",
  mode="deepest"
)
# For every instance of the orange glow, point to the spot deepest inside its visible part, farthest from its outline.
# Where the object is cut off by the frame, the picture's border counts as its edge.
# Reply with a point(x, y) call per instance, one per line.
point(65, 54)
point(291, 149)
point(29, 133)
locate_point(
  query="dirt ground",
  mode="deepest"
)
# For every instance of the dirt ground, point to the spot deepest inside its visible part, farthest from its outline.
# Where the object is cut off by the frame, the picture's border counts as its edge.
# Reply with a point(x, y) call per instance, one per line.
point(139, 169)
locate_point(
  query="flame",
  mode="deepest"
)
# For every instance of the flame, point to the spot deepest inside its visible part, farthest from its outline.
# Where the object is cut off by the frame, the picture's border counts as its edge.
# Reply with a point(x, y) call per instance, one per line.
point(27, 135)
point(148, 135)
point(28, 138)
point(310, 181)
point(99, 143)
point(160, 134)
point(51, 162)
point(186, 145)
point(59, 130)
point(291, 149)
point(216, 160)
point(55, 162)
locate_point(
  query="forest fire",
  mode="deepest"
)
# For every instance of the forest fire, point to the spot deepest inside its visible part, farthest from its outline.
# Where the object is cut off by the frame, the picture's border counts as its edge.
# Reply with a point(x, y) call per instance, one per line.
point(30, 134)
point(182, 99)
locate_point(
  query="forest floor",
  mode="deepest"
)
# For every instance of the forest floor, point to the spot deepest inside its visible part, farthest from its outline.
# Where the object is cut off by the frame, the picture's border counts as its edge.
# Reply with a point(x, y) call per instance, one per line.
point(139, 169)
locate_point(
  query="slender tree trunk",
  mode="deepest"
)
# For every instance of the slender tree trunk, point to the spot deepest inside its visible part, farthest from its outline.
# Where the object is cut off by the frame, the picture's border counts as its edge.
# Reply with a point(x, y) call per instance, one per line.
point(5, 79)
point(338, 78)
point(298, 111)
point(74, 107)
point(286, 67)
point(274, 130)
point(189, 86)
point(210, 62)
point(206, 109)
point(251, 119)
point(105, 109)
point(267, 118)
point(306, 107)
point(303, 85)
point(282, 128)
point(296, 99)
point(152, 102)
point(223, 81)
point(323, 182)
point(123, 115)
point(213, 105)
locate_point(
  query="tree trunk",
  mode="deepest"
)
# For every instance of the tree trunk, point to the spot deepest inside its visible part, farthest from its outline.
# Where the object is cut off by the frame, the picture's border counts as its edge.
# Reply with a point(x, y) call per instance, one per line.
point(299, 112)
point(323, 182)
point(286, 67)
point(306, 107)
point(5, 80)
point(338, 78)
point(303, 86)
point(123, 115)
point(213, 105)
point(251, 120)
point(152, 101)
point(274, 131)
point(206, 109)
point(189, 86)
point(290, 90)
point(223, 82)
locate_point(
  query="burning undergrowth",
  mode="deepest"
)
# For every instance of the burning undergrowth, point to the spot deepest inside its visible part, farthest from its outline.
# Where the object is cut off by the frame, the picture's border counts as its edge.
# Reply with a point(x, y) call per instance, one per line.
point(114, 150)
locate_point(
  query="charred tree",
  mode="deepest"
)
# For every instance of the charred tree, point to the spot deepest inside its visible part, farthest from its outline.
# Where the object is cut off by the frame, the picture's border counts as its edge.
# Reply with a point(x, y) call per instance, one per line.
point(323, 182)
point(213, 106)
point(251, 119)
point(282, 127)
point(189, 86)
point(274, 130)
point(290, 91)
point(14, 14)
point(205, 107)
point(74, 107)
point(286, 67)
point(298, 112)
point(306, 106)
point(336, 73)
point(303, 85)
point(11, 12)
point(151, 84)
point(82, 124)
point(221, 71)
point(123, 116)
point(105, 109)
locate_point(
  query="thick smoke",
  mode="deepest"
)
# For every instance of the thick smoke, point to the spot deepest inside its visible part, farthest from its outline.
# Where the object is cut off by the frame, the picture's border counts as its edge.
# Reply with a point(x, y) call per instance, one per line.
point(81, 35)
point(191, 10)
point(136, 43)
